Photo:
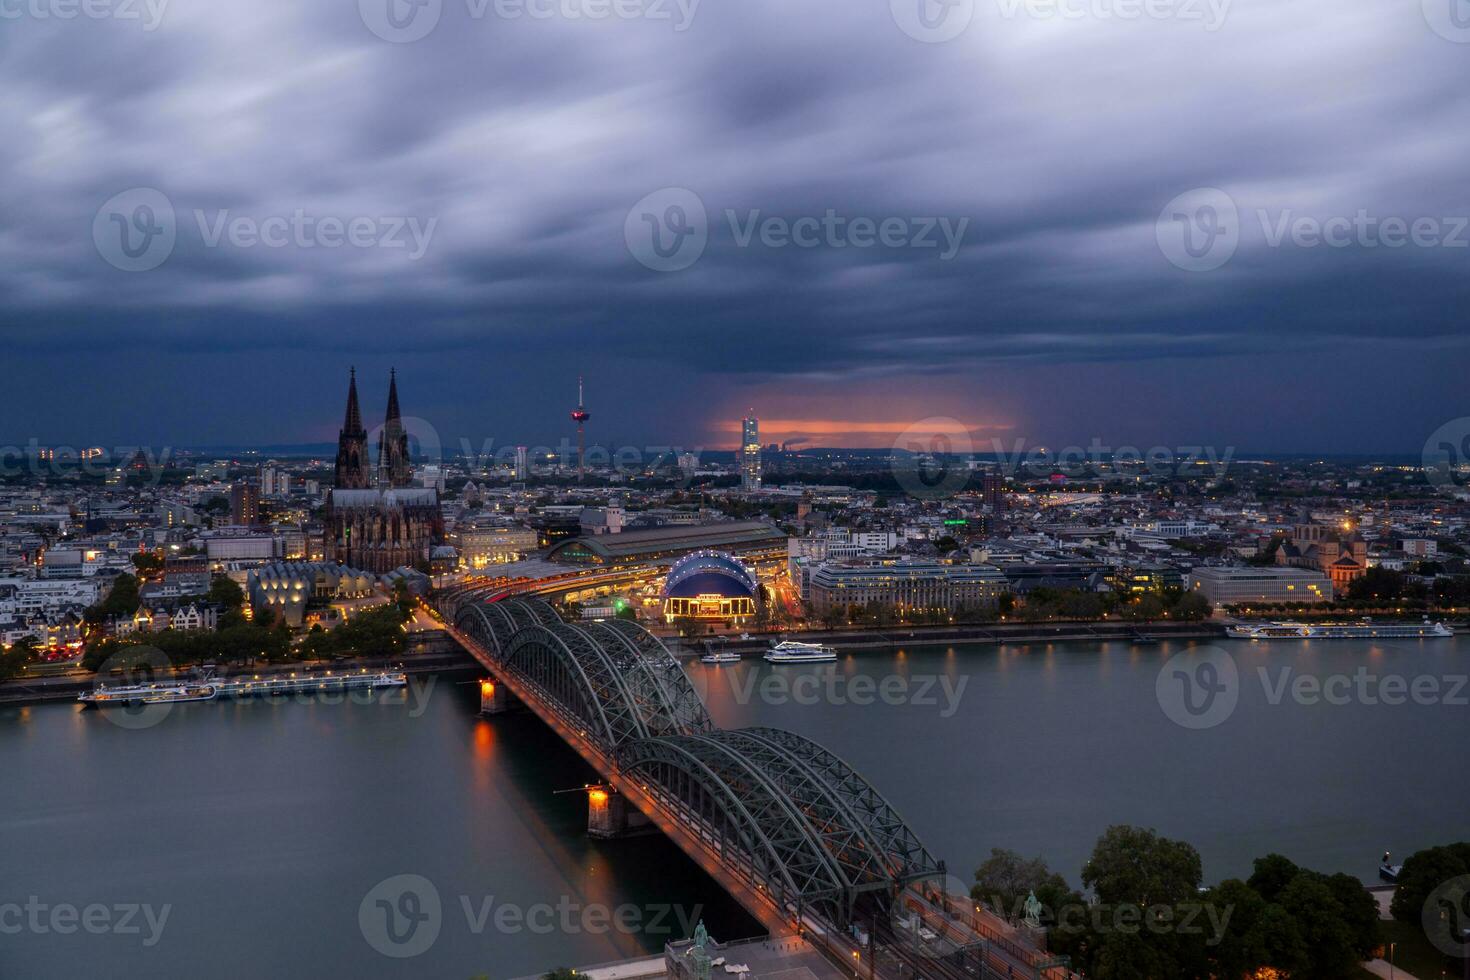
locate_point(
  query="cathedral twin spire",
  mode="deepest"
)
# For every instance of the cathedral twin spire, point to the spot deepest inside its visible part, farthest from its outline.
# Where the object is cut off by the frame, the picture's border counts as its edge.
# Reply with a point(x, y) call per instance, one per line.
point(354, 469)
point(393, 468)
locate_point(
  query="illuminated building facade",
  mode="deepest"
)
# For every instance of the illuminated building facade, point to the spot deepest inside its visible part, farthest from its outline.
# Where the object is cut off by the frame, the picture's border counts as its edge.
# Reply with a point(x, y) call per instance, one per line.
point(750, 454)
point(710, 585)
point(905, 585)
point(384, 527)
point(1228, 586)
point(287, 588)
point(1341, 557)
point(484, 546)
point(244, 505)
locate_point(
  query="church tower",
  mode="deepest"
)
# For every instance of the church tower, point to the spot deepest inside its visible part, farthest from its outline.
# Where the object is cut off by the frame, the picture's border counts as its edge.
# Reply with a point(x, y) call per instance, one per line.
point(353, 469)
point(393, 465)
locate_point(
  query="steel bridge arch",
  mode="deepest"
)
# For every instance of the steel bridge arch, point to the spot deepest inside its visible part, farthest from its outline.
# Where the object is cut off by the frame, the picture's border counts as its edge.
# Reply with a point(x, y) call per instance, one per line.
point(631, 687)
point(831, 836)
point(730, 804)
point(564, 662)
point(495, 623)
point(896, 853)
point(662, 691)
point(781, 811)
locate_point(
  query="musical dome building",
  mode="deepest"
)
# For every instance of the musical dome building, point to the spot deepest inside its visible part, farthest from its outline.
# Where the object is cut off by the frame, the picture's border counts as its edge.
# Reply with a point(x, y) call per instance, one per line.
point(710, 585)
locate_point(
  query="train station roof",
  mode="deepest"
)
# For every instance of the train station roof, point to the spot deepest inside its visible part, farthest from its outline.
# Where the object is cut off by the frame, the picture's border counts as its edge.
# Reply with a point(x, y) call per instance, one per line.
point(660, 542)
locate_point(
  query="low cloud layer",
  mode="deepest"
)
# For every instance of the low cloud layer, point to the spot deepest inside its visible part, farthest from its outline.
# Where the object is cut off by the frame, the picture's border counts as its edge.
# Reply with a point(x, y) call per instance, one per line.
point(467, 195)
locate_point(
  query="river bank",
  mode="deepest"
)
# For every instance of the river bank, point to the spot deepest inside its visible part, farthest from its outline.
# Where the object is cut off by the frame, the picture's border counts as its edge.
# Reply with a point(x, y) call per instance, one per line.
point(987, 634)
point(67, 687)
point(441, 654)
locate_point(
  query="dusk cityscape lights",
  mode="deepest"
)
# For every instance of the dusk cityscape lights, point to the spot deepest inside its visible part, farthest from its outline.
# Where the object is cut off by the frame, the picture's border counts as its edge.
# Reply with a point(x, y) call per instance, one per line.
point(1014, 523)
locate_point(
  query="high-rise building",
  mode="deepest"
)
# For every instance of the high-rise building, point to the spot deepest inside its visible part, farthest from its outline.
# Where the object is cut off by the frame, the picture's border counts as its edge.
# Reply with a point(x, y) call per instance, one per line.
point(523, 466)
point(274, 481)
point(244, 504)
point(993, 492)
point(750, 453)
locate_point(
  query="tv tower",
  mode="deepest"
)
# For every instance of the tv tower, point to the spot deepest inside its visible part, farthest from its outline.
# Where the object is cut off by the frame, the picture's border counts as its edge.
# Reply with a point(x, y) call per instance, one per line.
point(581, 416)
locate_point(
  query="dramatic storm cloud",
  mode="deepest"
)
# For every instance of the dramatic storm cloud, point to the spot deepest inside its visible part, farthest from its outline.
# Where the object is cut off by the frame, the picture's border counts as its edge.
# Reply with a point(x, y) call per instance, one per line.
point(1187, 220)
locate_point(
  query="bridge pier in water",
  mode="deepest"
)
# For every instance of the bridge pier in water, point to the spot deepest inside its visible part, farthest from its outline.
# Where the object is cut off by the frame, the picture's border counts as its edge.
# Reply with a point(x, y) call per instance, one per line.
point(610, 815)
point(495, 699)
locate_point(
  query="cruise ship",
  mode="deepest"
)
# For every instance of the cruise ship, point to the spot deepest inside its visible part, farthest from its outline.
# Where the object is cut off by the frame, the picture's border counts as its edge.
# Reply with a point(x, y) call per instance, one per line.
point(208, 687)
point(791, 652)
point(149, 694)
point(1337, 631)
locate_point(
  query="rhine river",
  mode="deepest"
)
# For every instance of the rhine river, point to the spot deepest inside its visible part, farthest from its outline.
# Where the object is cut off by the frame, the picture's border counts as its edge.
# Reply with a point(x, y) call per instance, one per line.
point(260, 829)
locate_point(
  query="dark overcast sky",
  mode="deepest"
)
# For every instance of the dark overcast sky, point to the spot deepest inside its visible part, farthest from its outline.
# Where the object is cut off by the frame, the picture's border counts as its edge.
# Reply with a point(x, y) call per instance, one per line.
point(1065, 316)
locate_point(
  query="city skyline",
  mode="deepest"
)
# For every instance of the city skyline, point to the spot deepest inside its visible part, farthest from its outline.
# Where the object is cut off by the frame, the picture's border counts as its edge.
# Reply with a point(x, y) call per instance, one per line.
point(617, 424)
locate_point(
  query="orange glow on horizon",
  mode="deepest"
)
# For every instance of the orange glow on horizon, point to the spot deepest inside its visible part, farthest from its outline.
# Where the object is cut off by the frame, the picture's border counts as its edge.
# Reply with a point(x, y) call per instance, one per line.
point(854, 434)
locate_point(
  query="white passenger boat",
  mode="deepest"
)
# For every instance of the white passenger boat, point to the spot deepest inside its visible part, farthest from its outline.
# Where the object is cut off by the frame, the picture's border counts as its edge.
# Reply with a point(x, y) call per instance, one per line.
point(149, 694)
point(723, 657)
point(792, 652)
point(1366, 629)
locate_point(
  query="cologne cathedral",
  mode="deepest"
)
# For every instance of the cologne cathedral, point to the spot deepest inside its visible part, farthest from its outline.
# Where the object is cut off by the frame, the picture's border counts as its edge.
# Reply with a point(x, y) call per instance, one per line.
point(375, 520)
